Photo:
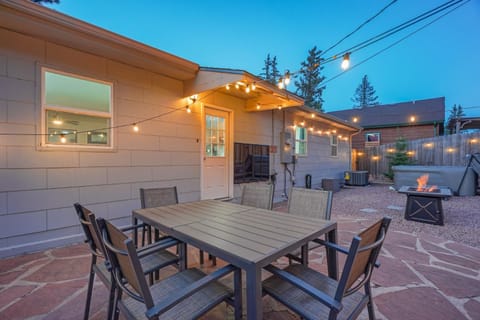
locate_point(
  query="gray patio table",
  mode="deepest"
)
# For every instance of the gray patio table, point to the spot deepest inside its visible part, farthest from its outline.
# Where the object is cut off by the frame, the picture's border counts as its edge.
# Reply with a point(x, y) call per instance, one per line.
point(246, 237)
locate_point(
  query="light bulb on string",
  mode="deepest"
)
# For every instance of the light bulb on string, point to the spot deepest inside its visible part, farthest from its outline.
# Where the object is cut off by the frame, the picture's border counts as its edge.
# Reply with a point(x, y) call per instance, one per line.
point(287, 78)
point(227, 87)
point(135, 127)
point(63, 139)
point(346, 61)
point(254, 86)
point(281, 84)
point(188, 109)
point(247, 89)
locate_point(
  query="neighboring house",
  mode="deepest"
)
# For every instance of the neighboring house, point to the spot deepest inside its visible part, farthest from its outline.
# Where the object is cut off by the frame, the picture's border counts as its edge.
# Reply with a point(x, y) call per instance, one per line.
point(465, 124)
point(72, 97)
point(384, 124)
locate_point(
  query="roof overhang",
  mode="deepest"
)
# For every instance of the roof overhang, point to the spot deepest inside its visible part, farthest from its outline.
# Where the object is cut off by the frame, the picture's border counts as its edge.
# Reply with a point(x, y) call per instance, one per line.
point(265, 96)
point(37, 21)
point(310, 113)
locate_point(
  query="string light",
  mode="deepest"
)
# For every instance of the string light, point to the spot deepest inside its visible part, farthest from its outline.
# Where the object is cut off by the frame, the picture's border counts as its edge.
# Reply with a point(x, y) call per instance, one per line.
point(188, 109)
point(227, 86)
point(62, 138)
point(254, 86)
point(247, 89)
point(346, 61)
point(258, 106)
point(135, 127)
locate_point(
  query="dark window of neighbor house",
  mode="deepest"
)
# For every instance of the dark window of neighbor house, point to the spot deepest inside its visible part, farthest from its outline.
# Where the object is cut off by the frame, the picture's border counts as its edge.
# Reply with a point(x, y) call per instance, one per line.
point(76, 111)
point(333, 145)
point(251, 162)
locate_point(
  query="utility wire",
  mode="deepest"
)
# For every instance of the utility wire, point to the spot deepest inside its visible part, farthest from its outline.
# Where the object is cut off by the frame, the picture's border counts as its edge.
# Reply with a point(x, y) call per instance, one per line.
point(395, 43)
point(396, 29)
point(358, 28)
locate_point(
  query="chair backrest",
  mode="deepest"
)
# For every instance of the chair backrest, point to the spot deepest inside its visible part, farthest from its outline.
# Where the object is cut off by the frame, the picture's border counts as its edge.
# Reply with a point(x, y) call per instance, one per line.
point(258, 195)
point(96, 246)
point(126, 266)
point(361, 258)
point(310, 203)
point(157, 197)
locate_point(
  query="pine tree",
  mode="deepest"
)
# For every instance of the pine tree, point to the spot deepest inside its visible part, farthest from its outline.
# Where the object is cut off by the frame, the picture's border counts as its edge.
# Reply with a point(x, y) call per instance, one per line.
point(308, 84)
point(399, 157)
point(365, 95)
point(270, 70)
point(455, 115)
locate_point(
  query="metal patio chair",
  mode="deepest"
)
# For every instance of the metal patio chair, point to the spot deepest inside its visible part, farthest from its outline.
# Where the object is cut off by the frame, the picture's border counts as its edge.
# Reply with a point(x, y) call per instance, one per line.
point(99, 265)
point(187, 294)
point(159, 197)
point(257, 195)
point(310, 203)
point(313, 295)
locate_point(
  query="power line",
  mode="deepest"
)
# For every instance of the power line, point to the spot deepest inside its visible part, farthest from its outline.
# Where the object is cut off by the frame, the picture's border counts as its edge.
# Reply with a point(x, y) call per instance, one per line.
point(359, 27)
point(396, 29)
point(395, 43)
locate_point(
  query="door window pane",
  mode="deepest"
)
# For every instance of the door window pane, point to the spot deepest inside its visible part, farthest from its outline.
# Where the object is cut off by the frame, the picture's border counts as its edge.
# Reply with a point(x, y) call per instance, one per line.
point(215, 136)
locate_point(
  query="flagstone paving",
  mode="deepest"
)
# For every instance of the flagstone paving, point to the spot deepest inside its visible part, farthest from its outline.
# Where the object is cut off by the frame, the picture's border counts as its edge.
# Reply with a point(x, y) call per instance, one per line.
point(420, 277)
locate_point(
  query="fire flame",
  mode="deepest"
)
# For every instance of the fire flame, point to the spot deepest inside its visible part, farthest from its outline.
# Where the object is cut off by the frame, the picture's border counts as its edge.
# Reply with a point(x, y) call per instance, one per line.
point(422, 184)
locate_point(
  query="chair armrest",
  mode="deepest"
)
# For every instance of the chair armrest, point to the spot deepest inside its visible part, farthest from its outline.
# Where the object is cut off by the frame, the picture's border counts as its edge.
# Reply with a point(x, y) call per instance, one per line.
point(331, 245)
point(188, 291)
point(163, 244)
point(305, 287)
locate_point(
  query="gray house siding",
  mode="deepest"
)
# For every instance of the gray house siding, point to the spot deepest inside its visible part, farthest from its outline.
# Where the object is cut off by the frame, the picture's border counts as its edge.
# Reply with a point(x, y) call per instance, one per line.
point(39, 186)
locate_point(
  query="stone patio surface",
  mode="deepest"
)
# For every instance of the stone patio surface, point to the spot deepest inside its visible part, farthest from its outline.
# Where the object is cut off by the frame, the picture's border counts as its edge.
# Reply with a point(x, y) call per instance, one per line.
point(420, 277)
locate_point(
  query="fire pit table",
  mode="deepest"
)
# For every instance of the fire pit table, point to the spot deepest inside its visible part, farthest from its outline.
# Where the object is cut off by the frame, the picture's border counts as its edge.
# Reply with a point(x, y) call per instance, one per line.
point(425, 204)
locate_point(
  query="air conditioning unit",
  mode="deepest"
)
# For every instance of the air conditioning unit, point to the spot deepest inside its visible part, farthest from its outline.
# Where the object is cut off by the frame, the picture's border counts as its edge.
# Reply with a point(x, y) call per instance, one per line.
point(356, 178)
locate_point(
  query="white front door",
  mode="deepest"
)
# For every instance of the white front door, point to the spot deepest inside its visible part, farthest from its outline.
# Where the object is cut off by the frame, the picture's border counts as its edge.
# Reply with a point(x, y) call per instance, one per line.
point(215, 154)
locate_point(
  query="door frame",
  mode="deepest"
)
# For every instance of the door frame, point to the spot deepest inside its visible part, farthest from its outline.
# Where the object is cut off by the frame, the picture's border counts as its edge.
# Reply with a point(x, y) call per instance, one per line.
point(229, 145)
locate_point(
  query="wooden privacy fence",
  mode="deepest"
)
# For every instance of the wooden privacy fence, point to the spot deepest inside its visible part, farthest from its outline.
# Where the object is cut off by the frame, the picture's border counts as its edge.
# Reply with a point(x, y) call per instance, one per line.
point(451, 150)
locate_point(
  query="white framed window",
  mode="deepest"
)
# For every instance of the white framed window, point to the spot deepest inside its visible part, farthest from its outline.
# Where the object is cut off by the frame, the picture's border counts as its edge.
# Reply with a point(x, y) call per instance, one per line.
point(334, 145)
point(301, 141)
point(76, 111)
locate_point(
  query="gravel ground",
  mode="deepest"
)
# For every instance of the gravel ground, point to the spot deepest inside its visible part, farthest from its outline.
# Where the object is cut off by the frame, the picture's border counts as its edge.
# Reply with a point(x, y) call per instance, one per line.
point(461, 214)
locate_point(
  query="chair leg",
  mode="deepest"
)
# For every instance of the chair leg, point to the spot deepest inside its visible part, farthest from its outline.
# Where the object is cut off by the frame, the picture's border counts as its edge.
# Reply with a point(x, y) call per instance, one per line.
point(117, 297)
point(213, 258)
point(91, 278)
point(111, 299)
point(371, 310)
point(201, 256)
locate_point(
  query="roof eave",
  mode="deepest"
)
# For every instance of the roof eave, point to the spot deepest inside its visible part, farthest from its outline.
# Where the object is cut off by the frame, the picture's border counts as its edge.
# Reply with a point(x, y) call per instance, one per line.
point(40, 22)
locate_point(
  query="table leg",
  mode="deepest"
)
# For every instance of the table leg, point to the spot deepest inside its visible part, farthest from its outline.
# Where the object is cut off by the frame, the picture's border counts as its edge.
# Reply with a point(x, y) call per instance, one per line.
point(182, 252)
point(332, 261)
point(254, 293)
point(304, 254)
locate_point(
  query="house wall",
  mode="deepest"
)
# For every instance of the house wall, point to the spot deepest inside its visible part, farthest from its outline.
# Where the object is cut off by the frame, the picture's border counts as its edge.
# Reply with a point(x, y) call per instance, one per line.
point(390, 135)
point(264, 127)
point(38, 187)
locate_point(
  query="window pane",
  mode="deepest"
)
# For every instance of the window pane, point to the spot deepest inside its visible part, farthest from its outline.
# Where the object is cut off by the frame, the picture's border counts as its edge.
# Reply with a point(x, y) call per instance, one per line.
point(77, 128)
point(215, 136)
point(67, 91)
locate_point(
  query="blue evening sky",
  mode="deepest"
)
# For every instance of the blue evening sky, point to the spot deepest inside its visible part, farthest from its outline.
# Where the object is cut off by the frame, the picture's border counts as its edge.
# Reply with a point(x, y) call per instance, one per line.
point(440, 60)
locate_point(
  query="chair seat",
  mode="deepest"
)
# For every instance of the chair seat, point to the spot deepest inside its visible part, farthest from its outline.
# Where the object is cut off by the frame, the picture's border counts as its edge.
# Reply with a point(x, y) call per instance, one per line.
point(190, 308)
point(304, 304)
point(157, 260)
point(103, 273)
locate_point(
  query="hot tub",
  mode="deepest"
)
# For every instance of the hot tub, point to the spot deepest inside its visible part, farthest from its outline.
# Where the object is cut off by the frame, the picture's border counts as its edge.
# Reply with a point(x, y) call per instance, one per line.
point(443, 176)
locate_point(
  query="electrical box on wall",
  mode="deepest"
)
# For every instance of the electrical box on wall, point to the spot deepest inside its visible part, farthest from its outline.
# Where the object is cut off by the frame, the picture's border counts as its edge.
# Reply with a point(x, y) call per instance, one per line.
point(286, 147)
